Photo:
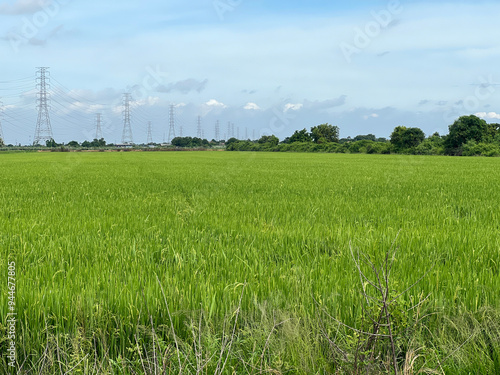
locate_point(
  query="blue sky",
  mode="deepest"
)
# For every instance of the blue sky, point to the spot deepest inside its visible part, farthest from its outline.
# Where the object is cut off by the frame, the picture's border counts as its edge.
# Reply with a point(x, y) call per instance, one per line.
point(266, 66)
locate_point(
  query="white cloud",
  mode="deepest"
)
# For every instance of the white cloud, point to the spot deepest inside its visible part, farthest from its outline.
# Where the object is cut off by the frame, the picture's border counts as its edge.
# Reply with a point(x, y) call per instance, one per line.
point(212, 106)
point(489, 115)
point(149, 101)
point(215, 103)
point(293, 107)
point(251, 106)
point(325, 105)
point(373, 115)
point(23, 7)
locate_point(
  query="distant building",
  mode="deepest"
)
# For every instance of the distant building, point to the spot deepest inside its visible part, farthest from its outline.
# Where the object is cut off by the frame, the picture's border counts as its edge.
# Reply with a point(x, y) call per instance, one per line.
point(124, 145)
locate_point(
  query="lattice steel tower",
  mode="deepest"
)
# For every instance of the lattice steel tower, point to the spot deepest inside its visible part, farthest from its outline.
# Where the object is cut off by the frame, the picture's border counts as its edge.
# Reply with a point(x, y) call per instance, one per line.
point(43, 131)
point(150, 133)
point(127, 128)
point(1, 113)
point(198, 129)
point(217, 131)
point(98, 130)
point(171, 130)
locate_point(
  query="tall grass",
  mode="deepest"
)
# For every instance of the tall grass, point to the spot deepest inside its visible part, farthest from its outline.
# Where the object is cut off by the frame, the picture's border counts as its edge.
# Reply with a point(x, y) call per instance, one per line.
point(92, 232)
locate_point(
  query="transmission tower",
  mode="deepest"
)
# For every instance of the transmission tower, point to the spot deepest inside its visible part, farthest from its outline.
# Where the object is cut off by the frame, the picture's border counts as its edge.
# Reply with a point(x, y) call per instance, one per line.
point(171, 130)
point(228, 130)
point(232, 130)
point(238, 132)
point(181, 131)
point(246, 133)
point(43, 131)
point(98, 130)
point(150, 133)
point(198, 129)
point(217, 131)
point(1, 132)
point(127, 128)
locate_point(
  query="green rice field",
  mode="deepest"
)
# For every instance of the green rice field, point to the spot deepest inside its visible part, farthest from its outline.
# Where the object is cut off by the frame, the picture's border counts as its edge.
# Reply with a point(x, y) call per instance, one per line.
point(115, 251)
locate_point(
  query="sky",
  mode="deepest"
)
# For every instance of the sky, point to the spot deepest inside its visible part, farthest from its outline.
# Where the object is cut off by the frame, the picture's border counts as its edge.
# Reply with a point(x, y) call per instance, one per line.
point(256, 67)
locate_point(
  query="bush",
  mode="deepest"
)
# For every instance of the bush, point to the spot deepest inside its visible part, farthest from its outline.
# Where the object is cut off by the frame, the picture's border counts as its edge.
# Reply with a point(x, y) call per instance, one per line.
point(472, 148)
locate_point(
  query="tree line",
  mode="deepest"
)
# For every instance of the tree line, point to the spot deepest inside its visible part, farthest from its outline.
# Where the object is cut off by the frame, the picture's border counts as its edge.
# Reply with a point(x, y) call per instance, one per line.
point(468, 136)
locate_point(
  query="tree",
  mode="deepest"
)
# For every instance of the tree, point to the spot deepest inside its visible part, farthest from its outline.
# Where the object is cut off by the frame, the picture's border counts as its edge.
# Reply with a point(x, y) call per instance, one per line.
point(405, 138)
point(368, 137)
point(300, 136)
point(463, 130)
point(73, 144)
point(346, 140)
point(493, 132)
point(325, 133)
point(98, 143)
point(51, 143)
point(2, 144)
point(231, 140)
point(181, 141)
point(270, 140)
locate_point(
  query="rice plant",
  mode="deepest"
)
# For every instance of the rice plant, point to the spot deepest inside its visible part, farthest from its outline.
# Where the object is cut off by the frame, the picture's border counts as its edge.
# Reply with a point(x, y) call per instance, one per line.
point(104, 242)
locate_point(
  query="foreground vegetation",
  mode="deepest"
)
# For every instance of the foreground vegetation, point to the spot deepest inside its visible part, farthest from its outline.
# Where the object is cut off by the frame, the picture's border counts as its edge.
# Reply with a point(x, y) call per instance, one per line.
point(246, 262)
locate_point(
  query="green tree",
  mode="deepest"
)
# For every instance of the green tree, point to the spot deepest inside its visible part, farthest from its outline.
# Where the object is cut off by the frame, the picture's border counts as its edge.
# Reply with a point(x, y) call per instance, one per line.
point(51, 143)
point(463, 130)
point(98, 143)
point(2, 144)
point(269, 140)
point(300, 136)
point(404, 138)
point(231, 140)
point(181, 141)
point(73, 144)
point(325, 133)
point(493, 132)
point(368, 137)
